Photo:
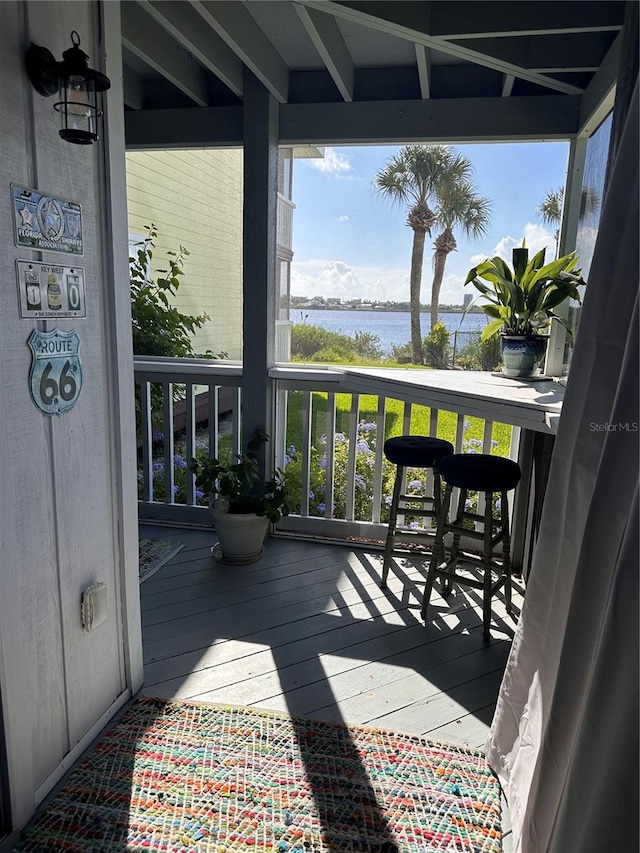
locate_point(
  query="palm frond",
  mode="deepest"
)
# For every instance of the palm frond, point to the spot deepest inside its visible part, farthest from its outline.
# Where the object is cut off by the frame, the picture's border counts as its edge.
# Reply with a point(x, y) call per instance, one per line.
point(550, 208)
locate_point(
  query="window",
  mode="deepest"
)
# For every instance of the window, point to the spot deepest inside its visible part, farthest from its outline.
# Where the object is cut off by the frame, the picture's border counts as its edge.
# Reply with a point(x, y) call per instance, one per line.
point(591, 199)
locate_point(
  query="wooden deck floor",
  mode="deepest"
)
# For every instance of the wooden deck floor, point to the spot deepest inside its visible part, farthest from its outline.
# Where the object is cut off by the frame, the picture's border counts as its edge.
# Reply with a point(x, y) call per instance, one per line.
point(308, 631)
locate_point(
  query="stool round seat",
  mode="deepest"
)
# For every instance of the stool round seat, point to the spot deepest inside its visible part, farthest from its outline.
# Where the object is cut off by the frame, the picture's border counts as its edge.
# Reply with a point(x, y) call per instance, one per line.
point(480, 472)
point(416, 451)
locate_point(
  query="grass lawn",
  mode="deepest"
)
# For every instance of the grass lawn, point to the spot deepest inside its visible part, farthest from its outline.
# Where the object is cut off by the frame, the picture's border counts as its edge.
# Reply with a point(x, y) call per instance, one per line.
point(420, 416)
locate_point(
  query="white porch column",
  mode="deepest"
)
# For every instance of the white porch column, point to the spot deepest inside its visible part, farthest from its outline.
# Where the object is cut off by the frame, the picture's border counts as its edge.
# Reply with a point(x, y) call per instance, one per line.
point(259, 252)
point(568, 232)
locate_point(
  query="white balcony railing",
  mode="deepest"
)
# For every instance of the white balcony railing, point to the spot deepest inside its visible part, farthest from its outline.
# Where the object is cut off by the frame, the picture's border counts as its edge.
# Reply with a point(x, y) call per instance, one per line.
point(183, 404)
point(284, 233)
point(325, 433)
point(341, 454)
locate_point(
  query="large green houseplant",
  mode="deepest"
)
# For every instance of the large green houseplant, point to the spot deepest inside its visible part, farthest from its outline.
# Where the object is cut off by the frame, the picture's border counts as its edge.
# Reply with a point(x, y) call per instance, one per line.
point(521, 302)
point(242, 502)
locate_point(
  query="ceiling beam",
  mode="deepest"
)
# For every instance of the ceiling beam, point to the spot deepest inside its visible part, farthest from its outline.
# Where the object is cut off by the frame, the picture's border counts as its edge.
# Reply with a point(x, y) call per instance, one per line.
point(133, 88)
point(408, 21)
point(238, 29)
point(507, 85)
point(324, 33)
point(184, 24)
point(423, 60)
point(150, 43)
point(599, 96)
point(392, 122)
point(496, 19)
point(438, 120)
point(185, 128)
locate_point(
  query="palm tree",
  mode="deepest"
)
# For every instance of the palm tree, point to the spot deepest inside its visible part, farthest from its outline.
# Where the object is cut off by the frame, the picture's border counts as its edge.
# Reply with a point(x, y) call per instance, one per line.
point(458, 205)
point(550, 211)
point(425, 177)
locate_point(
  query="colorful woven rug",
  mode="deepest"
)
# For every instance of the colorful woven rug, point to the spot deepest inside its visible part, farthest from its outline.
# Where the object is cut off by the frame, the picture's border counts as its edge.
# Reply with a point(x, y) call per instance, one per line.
point(154, 553)
point(192, 778)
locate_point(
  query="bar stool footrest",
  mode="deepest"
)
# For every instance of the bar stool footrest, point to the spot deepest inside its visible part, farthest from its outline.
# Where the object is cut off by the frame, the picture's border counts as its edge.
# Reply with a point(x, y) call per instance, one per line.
point(465, 580)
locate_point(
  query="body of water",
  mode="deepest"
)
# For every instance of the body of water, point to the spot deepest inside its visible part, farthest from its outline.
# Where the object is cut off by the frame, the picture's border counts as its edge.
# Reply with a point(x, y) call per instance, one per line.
point(391, 327)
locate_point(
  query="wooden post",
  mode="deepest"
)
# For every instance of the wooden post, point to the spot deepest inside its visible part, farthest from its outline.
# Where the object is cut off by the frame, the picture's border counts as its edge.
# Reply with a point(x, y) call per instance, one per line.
point(259, 254)
point(118, 301)
point(569, 230)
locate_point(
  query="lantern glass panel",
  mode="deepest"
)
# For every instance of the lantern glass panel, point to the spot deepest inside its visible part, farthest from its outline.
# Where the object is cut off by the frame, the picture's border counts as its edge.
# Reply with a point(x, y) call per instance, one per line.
point(78, 110)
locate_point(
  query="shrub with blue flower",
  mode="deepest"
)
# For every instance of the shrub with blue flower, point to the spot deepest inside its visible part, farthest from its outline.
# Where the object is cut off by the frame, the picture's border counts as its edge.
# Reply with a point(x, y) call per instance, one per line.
point(365, 452)
point(181, 472)
point(475, 445)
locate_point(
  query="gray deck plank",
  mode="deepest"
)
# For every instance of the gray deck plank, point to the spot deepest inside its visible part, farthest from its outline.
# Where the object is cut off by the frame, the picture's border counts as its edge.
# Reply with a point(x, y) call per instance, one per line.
point(308, 631)
point(470, 727)
point(377, 640)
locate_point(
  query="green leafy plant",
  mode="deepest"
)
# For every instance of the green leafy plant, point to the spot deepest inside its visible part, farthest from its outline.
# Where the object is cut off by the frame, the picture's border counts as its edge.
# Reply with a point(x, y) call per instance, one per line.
point(436, 347)
point(315, 344)
point(480, 355)
point(158, 327)
point(238, 485)
point(521, 300)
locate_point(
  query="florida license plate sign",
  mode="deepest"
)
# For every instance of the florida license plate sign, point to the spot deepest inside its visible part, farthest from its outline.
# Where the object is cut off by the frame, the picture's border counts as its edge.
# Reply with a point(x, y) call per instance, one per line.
point(46, 222)
point(55, 378)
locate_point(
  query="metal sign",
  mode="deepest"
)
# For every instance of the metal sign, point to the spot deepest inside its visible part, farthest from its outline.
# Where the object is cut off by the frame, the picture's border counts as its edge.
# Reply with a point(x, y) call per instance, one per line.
point(45, 222)
point(50, 290)
point(55, 378)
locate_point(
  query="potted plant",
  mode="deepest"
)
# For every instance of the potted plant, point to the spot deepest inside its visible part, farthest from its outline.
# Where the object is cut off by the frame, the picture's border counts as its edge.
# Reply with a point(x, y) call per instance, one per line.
point(241, 501)
point(521, 303)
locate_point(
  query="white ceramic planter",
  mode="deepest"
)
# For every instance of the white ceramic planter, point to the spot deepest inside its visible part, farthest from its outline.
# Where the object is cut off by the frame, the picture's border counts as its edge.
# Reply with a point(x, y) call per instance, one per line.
point(241, 537)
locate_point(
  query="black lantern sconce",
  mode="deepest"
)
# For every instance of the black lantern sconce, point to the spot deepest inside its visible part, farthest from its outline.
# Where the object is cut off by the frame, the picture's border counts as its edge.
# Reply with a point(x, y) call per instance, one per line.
point(78, 83)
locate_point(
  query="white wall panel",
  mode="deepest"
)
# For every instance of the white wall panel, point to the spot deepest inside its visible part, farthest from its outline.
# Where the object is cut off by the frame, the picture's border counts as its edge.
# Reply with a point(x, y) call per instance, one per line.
point(58, 473)
point(33, 666)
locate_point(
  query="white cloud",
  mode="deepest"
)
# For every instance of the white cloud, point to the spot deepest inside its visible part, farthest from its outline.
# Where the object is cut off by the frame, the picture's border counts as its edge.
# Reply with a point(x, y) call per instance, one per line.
point(451, 292)
point(536, 237)
point(333, 164)
point(342, 219)
point(333, 278)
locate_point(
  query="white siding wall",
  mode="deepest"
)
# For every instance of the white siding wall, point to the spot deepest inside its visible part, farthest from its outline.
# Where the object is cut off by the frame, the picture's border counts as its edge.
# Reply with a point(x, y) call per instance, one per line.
point(195, 199)
point(57, 514)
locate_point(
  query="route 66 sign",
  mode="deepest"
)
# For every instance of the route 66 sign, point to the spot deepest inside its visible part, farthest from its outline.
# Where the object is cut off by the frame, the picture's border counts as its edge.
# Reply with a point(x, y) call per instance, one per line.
point(55, 378)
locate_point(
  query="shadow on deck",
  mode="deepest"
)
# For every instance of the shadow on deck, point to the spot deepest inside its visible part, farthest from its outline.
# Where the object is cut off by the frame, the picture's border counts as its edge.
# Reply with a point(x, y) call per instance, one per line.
point(308, 631)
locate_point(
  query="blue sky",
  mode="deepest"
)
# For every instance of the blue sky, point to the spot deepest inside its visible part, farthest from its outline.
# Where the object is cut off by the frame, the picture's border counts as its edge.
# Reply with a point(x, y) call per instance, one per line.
point(348, 242)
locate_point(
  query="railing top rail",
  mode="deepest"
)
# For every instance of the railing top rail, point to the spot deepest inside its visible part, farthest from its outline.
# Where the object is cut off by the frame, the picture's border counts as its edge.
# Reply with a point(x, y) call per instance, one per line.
point(477, 393)
point(172, 369)
point(306, 373)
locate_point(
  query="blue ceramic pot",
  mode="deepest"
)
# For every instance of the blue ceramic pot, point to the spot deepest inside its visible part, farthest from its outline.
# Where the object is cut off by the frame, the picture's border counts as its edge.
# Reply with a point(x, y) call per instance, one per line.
point(522, 353)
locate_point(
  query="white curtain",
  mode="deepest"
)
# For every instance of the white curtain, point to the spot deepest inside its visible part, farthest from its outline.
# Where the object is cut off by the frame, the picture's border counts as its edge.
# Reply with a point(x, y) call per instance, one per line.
point(564, 738)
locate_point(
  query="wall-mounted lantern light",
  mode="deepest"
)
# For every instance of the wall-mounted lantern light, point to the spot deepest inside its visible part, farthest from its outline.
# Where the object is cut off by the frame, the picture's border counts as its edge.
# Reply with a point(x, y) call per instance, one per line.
point(78, 83)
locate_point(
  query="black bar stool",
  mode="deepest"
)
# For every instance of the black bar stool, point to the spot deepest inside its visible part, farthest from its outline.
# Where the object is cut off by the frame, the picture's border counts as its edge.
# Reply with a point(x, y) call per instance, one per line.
point(412, 451)
point(475, 472)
